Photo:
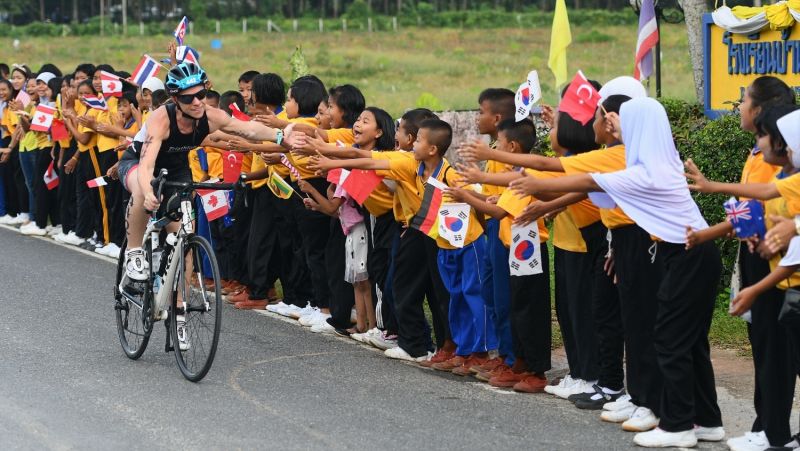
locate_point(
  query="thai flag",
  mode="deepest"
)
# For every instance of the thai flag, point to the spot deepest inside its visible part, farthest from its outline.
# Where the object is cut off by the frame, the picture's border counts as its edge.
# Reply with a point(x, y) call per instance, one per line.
point(180, 30)
point(187, 54)
point(23, 98)
point(112, 85)
point(148, 67)
point(96, 102)
point(648, 37)
point(42, 118)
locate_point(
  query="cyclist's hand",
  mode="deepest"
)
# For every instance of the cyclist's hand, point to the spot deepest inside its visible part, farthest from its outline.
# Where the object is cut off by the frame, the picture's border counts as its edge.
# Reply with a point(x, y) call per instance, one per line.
point(151, 202)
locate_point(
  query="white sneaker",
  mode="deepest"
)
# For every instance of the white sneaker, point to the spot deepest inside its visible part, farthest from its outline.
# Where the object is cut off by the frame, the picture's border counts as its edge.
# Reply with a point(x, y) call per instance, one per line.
point(323, 328)
point(621, 402)
point(59, 238)
point(112, 250)
point(578, 386)
point(309, 319)
point(53, 231)
point(276, 308)
point(25, 226)
point(73, 239)
point(795, 443)
point(289, 310)
point(642, 420)
point(20, 219)
point(183, 340)
point(400, 354)
point(705, 434)
point(136, 266)
point(361, 337)
point(6, 219)
point(381, 340)
point(32, 230)
point(658, 438)
point(566, 381)
point(750, 441)
point(619, 415)
point(305, 311)
point(321, 318)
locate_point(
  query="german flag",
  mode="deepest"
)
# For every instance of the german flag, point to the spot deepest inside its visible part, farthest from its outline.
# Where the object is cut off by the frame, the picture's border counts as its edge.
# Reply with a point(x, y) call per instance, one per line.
point(427, 218)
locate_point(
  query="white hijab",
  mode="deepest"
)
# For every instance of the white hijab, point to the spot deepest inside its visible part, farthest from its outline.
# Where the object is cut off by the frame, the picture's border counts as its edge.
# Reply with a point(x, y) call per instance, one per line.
point(652, 190)
point(789, 126)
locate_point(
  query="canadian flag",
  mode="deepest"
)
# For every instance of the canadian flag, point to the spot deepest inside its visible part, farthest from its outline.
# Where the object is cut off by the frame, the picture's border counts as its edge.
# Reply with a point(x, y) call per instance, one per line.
point(112, 85)
point(96, 183)
point(215, 203)
point(51, 177)
point(42, 118)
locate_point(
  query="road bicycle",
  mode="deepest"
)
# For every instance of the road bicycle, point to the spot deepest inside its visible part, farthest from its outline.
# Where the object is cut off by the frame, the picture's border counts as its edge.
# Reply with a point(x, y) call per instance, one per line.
point(183, 287)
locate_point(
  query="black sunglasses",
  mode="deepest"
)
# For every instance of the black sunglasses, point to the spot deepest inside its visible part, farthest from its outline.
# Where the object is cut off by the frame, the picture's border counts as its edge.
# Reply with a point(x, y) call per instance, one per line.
point(186, 99)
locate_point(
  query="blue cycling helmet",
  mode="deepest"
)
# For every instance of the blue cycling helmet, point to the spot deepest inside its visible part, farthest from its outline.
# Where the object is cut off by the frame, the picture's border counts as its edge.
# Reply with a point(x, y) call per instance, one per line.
point(184, 76)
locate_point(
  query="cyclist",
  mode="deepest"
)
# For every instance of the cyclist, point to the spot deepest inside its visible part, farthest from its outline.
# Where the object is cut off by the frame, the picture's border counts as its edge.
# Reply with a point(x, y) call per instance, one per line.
point(168, 135)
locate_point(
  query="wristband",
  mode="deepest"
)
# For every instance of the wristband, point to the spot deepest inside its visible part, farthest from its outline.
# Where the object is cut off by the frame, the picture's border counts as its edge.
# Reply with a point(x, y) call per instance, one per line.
point(279, 137)
point(797, 224)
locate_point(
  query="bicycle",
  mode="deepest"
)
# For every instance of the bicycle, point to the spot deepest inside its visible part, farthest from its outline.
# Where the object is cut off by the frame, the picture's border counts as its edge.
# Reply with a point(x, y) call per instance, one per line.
point(166, 294)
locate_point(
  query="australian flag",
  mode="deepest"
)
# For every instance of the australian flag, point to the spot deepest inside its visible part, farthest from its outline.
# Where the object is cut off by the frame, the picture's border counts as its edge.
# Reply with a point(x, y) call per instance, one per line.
point(747, 217)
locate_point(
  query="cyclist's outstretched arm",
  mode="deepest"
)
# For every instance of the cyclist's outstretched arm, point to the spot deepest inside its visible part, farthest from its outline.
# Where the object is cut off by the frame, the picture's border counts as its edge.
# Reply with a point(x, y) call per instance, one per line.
point(252, 130)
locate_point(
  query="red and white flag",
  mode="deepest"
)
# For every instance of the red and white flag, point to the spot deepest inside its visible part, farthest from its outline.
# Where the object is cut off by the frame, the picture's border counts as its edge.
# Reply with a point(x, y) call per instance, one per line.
point(580, 99)
point(51, 177)
point(58, 130)
point(215, 203)
point(96, 102)
point(42, 118)
point(239, 114)
point(232, 166)
point(112, 85)
point(96, 183)
point(180, 30)
point(147, 68)
point(23, 98)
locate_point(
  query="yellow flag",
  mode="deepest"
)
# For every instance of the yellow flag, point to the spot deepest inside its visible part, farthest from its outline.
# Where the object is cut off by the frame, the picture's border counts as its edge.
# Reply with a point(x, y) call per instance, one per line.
point(560, 39)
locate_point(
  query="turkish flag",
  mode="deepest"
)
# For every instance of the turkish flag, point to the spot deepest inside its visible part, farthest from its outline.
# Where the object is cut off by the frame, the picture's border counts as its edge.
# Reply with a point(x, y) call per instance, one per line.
point(239, 114)
point(580, 99)
point(215, 203)
point(360, 184)
point(232, 168)
point(58, 130)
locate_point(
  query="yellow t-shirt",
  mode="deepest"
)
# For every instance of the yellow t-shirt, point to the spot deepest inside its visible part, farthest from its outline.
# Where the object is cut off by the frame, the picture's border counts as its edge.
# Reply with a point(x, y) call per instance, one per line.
point(301, 163)
point(214, 163)
point(783, 206)
point(259, 164)
point(198, 174)
point(789, 189)
point(42, 138)
point(495, 167)
point(381, 199)
point(611, 159)
point(10, 120)
point(106, 143)
point(93, 141)
point(282, 115)
point(406, 172)
point(514, 205)
point(342, 135)
point(405, 204)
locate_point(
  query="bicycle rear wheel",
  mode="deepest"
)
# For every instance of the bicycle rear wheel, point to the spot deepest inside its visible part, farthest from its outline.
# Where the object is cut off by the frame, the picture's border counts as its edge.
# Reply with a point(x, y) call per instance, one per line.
point(133, 330)
point(198, 287)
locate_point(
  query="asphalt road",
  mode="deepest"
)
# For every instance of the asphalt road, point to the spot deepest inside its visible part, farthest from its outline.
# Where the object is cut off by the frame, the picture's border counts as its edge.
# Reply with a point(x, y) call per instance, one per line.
point(65, 383)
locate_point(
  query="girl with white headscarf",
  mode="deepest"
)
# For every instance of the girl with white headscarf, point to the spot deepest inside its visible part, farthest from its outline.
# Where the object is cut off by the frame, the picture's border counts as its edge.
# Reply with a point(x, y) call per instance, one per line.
point(653, 191)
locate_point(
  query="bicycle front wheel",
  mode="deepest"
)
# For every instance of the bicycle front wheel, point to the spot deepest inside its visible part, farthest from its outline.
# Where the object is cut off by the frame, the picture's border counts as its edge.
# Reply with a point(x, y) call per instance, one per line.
point(196, 315)
point(131, 307)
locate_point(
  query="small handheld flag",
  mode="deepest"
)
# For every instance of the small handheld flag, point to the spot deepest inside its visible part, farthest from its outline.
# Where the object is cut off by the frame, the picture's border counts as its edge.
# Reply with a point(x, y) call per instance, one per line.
point(180, 30)
point(239, 114)
point(360, 184)
point(98, 182)
point(292, 170)
point(51, 177)
point(454, 222)
point(747, 217)
point(580, 99)
point(23, 98)
point(522, 100)
point(147, 68)
point(42, 118)
point(58, 130)
point(232, 167)
point(112, 85)
point(560, 39)
point(427, 217)
point(187, 54)
point(96, 102)
point(215, 203)
point(525, 253)
point(279, 187)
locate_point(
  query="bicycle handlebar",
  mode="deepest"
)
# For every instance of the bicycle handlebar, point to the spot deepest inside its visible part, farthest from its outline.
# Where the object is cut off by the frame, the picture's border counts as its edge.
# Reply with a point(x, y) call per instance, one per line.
point(159, 182)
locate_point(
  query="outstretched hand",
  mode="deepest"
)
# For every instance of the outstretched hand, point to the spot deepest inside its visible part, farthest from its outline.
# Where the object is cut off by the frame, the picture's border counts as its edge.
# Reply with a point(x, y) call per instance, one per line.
point(699, 181)
point(525, 185)
point(474, 151)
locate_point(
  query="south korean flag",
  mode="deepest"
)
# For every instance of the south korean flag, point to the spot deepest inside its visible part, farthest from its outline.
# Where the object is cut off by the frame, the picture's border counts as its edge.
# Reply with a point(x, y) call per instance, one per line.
point(525, 253)
point(453, 223)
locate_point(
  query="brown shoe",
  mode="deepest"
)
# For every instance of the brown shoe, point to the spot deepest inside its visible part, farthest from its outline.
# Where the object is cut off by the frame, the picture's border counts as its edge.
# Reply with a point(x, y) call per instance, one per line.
point(533, 383)
point(486, 376)
point(448, 365)
point(272, 294)
point(489, 365)
point(238, 297)
point(251, 305)
point(466, 368)
point(439, 357)
point(507, 379)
